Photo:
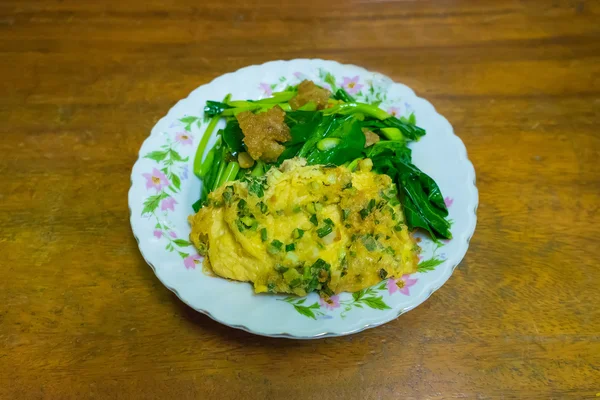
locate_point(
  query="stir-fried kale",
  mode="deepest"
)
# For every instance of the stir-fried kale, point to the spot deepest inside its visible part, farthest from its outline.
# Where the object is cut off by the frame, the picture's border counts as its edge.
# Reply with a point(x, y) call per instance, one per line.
point(325, 134)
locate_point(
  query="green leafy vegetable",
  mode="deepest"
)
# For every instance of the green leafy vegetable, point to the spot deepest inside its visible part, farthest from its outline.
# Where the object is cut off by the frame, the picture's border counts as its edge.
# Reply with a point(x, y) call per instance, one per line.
point(420, 196)
point(351, 146)
point(229, 174)
point(392, 133)
point(358, 108)
point(233, 136)
point(328, 143)
point(332, 136)
point(342, 95)
point(215, 108)
point(389, 149)
point(302, 124)
point(200, 167)
point(410, 131)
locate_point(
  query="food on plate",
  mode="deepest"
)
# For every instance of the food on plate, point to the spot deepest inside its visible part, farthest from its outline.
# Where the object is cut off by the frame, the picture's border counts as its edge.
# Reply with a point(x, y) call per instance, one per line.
point(299, 229)
point(308, 93)
point(309, 190)
point(264, 133)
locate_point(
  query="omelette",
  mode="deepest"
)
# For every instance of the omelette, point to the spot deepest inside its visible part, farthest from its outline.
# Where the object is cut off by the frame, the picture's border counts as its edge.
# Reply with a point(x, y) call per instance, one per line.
point(300, 229)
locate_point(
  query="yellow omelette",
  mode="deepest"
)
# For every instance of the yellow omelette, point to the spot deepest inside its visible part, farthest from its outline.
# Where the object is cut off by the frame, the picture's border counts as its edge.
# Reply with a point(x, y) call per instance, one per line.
point(303, 228)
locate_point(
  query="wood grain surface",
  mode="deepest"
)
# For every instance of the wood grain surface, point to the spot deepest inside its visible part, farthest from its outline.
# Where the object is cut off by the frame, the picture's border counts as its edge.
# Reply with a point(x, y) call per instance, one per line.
point(83, 81)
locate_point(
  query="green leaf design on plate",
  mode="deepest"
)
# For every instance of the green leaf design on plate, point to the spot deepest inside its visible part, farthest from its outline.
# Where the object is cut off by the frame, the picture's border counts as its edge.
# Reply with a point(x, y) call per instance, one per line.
point(182, 243)
point(176, 181)
point(375, 302)
point(357, 295)
point(307, 311)
point(429, 265)
point(328, 78)
point(152, 202)
point(175, 156)
point(188, 121)
point(156, 155)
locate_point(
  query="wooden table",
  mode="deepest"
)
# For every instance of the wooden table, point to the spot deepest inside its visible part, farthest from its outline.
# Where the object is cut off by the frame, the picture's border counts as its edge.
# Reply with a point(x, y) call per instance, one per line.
point(81, 314)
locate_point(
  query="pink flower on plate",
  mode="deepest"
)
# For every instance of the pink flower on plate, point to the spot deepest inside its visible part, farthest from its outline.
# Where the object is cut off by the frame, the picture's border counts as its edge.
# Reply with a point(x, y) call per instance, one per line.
point(394, 111)
point(401, 285)
point(158, 233)
point(191, 261)
point(351, 85)
point(156, 180)
point(300, 76)
point(448, 201)
point(331, 303)
point(173, 235)
point(184, 138)
point(266, 88)
point(168, 204)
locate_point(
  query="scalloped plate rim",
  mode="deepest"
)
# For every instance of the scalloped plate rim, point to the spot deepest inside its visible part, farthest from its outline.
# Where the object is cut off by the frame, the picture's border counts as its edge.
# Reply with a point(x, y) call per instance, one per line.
point(363, 326)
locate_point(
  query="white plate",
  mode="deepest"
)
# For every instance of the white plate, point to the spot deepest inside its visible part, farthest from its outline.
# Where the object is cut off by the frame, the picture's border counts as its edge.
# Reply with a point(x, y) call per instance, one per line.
point(163, 190)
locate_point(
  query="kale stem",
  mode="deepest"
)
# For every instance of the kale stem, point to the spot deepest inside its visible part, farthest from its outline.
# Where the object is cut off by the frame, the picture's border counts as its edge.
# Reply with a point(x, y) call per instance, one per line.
point(278, 97)
point(202, 146)
point(259, 169)
point(209, 160)
point(354, 107)
point(204, 141)
point(353, 164)
point(219, 176)
point(234, 111)
point(342, 95)
point(229, 174)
